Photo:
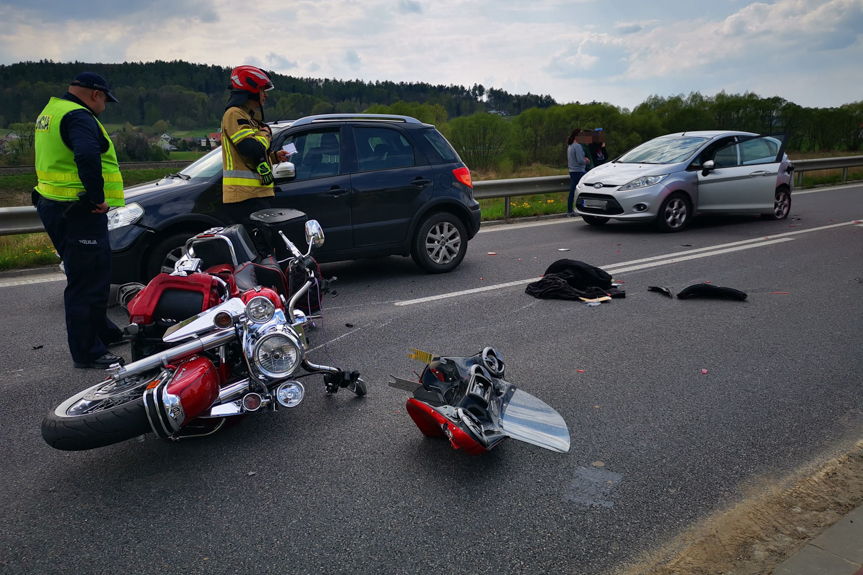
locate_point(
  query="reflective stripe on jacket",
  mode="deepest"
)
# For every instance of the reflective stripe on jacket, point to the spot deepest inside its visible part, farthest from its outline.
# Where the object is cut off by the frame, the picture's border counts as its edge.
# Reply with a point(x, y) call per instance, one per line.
point(240, 179)
point(56, 171)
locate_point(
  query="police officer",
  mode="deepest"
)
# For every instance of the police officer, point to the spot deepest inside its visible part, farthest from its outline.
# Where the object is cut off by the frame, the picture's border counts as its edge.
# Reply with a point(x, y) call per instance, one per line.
point(78, 180)
point(247, 162)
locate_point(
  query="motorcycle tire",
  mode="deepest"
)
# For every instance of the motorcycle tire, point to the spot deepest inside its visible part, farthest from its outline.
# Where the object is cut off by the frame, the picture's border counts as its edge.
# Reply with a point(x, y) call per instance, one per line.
point(119, 419)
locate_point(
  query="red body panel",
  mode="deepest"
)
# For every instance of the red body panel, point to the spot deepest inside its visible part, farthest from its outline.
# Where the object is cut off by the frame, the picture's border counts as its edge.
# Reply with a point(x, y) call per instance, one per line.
point(143, 305)
point(433, 423)
point(196, 383)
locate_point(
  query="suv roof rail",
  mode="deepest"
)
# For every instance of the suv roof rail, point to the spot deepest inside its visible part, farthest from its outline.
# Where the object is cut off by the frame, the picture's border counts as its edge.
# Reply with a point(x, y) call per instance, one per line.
point(356, 117)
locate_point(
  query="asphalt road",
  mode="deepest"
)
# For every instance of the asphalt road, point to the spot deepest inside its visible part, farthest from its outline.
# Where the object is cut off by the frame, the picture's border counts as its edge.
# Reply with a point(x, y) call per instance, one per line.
point(676, 408)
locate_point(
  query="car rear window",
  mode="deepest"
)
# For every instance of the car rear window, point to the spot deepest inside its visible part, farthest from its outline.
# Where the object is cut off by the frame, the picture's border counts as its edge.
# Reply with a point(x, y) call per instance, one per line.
point(442, 151)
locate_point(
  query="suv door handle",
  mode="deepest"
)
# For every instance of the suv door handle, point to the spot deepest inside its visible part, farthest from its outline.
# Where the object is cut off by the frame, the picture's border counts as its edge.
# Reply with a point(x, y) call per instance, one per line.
point(337, 191)
point(421, 182)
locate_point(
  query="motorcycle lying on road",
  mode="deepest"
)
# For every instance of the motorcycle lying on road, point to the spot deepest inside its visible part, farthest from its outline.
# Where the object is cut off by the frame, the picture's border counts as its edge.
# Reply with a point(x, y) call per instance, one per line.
point(468, 401)
point(243, 351)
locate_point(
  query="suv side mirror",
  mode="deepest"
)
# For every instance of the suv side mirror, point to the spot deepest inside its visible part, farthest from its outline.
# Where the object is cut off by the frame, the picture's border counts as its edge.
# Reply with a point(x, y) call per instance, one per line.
point(284, 171)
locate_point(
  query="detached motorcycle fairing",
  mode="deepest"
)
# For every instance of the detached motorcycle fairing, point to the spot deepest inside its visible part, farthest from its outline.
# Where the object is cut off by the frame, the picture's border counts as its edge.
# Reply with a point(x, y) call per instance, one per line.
point(468, 401)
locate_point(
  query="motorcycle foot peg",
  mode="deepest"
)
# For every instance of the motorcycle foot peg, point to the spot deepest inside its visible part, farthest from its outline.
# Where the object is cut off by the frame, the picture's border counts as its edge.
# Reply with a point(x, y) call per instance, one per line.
point(332, 380)
point(335, 381)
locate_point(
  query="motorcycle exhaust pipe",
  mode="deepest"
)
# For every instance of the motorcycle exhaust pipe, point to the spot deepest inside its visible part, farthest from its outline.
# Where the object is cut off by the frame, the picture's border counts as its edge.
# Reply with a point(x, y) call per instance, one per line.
point(209, 341)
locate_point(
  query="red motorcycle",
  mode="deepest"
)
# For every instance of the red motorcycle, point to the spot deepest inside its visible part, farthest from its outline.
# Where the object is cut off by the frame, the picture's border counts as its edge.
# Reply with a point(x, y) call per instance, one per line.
point(468, 401)
point(220, 337)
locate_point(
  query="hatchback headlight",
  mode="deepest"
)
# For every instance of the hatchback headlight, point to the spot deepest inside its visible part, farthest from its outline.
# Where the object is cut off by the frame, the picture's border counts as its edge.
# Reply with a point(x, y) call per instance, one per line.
point(642, 182)
point(277, 354)
point(124, 216)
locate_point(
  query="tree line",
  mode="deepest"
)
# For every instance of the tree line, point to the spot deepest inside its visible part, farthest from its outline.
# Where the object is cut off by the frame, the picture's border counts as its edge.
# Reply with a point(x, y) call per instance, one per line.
point(192, 96)
point(538, 135)
point(490, 128)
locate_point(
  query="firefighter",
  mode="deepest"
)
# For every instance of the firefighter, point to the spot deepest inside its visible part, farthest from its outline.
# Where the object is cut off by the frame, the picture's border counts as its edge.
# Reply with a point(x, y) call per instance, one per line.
point(247, 162)
point(78, 181)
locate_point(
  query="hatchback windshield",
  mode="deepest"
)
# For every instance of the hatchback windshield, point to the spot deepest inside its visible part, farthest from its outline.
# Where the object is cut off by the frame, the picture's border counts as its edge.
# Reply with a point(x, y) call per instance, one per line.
point(663, 150)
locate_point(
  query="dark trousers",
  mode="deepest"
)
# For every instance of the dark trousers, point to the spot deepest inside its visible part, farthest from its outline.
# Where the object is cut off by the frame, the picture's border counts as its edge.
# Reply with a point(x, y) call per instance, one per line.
point(239, 212)
point(81, 239)
point(574, 178)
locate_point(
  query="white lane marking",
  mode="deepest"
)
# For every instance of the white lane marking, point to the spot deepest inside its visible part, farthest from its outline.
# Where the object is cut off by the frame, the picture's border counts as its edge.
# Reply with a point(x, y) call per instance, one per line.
point(644, 263)
point(615, 268)
point(34, 279)
point(499, 227)
point(618, 269)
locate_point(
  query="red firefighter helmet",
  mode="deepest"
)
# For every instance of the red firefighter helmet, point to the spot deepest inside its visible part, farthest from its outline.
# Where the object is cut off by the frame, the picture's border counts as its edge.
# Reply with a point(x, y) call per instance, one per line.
point(250, 79)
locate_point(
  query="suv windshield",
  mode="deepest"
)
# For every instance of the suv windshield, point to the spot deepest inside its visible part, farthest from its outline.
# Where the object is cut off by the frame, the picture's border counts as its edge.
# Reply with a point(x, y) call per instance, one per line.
point(206, 166)
point(663, 150)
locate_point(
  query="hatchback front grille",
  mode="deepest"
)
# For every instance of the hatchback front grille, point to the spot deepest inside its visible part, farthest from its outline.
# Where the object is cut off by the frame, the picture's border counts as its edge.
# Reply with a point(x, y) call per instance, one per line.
point(598, 204)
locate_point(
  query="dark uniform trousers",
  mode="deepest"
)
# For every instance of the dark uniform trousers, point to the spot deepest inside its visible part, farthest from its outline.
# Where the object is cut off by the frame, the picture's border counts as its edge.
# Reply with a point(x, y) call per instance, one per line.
point(81, 239)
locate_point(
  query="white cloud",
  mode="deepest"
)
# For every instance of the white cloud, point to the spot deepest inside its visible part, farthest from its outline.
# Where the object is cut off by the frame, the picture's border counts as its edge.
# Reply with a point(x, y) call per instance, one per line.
point(573, 50)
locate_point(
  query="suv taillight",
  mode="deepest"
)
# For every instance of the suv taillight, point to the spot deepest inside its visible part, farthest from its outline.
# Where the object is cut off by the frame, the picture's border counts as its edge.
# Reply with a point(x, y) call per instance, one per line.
point(462, 175)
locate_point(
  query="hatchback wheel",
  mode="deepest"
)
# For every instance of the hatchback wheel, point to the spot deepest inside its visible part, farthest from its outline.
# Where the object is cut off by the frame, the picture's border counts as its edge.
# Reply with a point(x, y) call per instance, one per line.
point(440, 243)
point(781, 204)
point(675, 213)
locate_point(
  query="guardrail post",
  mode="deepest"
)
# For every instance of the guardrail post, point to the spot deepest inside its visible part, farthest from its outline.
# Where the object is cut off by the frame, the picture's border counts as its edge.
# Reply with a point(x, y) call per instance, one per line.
point(506, 208)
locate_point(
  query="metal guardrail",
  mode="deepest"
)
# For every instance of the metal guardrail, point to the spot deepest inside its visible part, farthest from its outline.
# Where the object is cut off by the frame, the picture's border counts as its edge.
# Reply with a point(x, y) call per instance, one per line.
point(23, 220)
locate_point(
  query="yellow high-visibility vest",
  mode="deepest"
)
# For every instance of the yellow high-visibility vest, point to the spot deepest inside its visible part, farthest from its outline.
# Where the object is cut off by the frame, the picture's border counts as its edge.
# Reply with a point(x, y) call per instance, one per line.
point(56, 171)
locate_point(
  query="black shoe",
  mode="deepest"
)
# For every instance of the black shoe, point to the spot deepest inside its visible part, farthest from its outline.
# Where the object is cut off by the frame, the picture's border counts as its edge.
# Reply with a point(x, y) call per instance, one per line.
point(103, 362)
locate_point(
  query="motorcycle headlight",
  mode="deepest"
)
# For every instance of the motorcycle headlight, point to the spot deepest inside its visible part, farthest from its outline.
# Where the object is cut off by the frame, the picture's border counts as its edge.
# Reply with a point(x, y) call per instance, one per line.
point(124, 216)
point(260, 309)
point(277, 354)
point(642, 182)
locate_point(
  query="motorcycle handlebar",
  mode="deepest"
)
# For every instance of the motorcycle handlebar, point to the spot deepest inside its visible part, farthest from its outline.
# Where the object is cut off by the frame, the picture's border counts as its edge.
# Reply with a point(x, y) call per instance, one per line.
point(294, 250)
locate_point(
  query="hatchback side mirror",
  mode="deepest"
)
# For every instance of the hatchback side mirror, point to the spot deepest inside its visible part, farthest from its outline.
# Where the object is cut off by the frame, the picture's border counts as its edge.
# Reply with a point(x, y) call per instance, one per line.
point(707, 167)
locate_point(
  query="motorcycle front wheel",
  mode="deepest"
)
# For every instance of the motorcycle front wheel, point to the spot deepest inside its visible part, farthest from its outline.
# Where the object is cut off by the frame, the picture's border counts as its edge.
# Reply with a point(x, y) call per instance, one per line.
point(109, 412)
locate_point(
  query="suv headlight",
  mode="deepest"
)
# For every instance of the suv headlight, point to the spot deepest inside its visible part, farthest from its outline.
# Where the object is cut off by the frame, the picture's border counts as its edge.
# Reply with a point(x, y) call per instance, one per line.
point(642, 182)
point(124, 216)
point(277, 354)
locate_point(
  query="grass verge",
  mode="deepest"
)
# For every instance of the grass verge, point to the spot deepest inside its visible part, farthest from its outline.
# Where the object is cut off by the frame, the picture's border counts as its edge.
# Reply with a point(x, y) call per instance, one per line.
point(26, 251)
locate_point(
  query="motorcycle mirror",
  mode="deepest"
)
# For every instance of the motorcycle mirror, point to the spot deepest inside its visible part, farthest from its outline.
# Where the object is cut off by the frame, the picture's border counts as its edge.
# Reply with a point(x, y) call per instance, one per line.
point(314, 233)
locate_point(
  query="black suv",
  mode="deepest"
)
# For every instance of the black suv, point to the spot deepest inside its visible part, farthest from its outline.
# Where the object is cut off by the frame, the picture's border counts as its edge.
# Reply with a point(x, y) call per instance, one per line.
point(378, 184)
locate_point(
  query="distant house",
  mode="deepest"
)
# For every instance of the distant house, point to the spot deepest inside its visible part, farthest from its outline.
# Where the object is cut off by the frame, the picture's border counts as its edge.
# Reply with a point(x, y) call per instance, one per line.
point(164, 142)
point(215, 139)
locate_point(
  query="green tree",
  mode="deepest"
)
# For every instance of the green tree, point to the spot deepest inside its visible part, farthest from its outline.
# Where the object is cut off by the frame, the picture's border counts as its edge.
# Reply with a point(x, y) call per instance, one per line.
point(480, 139)
point(20, 147)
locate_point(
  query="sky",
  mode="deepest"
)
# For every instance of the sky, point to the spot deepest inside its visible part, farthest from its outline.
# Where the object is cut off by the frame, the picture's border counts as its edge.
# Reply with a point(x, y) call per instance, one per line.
point(615, 51)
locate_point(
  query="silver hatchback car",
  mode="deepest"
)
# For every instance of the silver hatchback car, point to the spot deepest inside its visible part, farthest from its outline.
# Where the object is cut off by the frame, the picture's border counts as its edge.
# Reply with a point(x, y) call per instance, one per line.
point(670, 179)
